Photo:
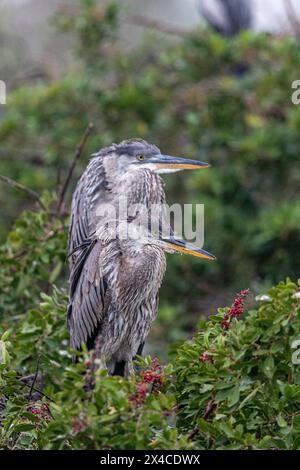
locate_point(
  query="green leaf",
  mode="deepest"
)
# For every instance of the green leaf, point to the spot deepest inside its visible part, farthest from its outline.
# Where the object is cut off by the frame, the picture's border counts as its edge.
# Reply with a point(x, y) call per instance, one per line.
point(269, 367)
point(234, 396)
point(281, 421)
point(4, 354)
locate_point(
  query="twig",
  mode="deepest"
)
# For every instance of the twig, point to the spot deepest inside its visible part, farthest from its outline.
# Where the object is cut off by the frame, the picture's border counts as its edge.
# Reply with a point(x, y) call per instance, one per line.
point(163, 27)
point(141, 20)
point(193, 433)
point(292, 17)
point(39, 391)
point(209, 408)
point(35, 389)
point(34, 378)
point(77, 154)
point(21, 187)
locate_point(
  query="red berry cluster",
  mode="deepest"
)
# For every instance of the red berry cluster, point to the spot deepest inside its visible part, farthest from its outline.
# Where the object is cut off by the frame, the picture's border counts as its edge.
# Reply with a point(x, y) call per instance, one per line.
point(152, 380)
point(41, 411)
point(150, 376)
point(140, 395)
point(206, 357)
point(79, 425)
point(236, 309)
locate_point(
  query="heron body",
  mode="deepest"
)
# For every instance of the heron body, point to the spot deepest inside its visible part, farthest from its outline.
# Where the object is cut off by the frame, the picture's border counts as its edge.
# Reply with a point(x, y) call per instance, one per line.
point(115, 280)
point(117, 300)
point(115, 297)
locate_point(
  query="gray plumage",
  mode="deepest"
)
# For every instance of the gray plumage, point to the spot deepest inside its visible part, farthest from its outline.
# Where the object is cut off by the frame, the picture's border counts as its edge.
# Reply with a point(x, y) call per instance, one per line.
point(227, 17)
point(101, 184)
point(115, 281)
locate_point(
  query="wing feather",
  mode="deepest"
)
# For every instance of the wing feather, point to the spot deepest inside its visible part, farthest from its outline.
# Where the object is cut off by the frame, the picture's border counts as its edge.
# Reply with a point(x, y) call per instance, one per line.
point(89, 189)
point(87, 294)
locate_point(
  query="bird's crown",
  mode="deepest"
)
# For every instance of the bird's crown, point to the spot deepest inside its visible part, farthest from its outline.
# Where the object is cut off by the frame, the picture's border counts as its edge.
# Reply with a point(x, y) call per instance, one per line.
point(129, 147)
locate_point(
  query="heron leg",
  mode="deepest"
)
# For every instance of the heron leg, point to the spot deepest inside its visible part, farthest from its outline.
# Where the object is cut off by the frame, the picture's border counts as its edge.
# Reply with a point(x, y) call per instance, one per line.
point(140, 349)
point(100, 362)
point(139, 353)
point(99, 356)
point(119, 368)
point(124, 369)
point(129, 369)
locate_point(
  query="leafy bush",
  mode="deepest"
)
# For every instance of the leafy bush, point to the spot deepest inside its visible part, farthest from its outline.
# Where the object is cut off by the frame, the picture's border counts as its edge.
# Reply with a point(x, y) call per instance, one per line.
point(32, 259)
point(242, 379)
point(77, 408)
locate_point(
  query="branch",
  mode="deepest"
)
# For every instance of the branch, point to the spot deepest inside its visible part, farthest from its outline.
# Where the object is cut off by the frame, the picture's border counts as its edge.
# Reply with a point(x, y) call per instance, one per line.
point(21, 187)
point(77, 154)
point(208, 410)
point(292, 17)
point(38, 391)
point(34, 378)
point(163, 27)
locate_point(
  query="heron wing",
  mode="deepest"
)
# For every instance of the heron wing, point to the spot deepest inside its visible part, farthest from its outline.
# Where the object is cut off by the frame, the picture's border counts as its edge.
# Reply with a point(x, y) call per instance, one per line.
point(79, 224)
point(87, 294)
point(89, 189)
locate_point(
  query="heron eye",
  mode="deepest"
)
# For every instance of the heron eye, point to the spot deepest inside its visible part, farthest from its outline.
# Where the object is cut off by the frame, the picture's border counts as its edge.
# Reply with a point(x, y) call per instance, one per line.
point(141, 157)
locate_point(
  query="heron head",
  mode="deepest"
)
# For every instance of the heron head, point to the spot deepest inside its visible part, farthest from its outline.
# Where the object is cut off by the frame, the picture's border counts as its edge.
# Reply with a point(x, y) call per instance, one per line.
point(167, 242)
point(136, 235)
point(136, 154)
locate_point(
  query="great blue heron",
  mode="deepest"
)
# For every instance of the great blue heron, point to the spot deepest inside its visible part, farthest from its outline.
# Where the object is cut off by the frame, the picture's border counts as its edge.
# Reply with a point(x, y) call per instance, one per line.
point(110, 173)
point(114, 281)
point(227, 17)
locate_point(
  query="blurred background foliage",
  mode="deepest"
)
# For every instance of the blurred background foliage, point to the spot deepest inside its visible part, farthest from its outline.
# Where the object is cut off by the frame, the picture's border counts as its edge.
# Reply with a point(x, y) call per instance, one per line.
point(222, 100)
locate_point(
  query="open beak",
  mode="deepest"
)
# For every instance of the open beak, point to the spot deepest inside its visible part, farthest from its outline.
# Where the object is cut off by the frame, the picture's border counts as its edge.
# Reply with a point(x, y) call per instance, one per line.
point(183, 246)
point(167, 162)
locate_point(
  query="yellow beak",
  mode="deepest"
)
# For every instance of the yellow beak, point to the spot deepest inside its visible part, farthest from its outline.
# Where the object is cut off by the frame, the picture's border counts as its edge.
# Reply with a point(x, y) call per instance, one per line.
point(182, 246)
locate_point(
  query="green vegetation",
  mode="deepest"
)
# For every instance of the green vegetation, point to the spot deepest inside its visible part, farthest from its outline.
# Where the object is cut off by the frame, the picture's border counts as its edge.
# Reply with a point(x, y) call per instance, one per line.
point(226, 101)
point(229, 387)
point(243, 379)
